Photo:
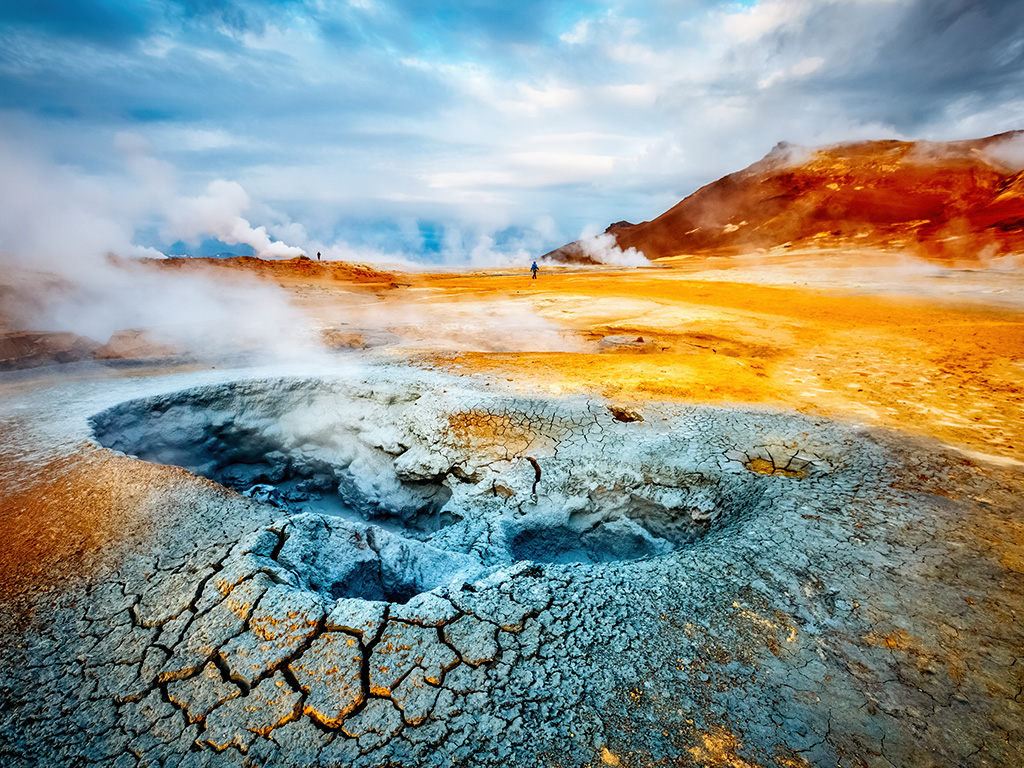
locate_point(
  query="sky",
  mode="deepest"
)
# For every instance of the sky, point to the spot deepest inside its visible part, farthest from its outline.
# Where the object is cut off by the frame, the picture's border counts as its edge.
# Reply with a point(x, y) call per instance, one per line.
point(463, 133)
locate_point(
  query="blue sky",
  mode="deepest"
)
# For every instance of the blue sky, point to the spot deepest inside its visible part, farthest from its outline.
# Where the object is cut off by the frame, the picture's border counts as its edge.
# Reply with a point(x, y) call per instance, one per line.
point(467, 132)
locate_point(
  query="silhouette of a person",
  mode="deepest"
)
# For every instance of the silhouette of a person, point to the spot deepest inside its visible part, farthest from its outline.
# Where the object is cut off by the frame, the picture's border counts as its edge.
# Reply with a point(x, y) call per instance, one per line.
point(534, 269)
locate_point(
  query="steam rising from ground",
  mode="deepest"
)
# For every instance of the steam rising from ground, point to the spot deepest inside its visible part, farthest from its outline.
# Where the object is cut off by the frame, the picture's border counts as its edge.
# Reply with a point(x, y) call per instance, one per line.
point(604, 249)
point(194, 315)
point(51, 213)
point(874, 272)
point(58, 226)
point(478, 326)
point(54, 216)
point(218, 212)
point(1008, 152)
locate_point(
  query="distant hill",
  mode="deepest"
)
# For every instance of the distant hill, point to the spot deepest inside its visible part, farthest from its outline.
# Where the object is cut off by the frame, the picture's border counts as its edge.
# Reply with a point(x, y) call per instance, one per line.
point(299, 268)
point(946, 200)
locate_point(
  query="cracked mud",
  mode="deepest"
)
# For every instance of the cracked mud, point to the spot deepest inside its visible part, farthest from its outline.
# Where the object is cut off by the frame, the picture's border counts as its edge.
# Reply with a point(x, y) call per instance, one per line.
point(368, 571)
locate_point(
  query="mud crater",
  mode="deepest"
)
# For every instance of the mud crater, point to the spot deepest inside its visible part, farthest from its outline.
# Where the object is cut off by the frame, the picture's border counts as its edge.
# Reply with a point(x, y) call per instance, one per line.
point(279, 445)
point(360, 523)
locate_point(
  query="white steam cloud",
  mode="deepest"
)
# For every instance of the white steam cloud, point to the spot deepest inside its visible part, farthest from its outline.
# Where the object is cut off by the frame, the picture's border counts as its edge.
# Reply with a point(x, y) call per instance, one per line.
point(604, 249)
point(52, 214)
point(58, 226)
point(218, 213)
point(1008, 152)
point(469, 325)
point(196, 314)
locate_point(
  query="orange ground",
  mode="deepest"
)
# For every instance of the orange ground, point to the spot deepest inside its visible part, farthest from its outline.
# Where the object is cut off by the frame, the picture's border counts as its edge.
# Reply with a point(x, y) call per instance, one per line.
point(951, 370)
point(927, 365)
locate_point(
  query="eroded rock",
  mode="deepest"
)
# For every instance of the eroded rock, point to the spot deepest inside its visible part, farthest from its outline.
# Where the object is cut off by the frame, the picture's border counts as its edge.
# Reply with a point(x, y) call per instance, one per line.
point(475, 640)
point(701, 594)
point(278, 629)
point(198, 696)
point(403, 647)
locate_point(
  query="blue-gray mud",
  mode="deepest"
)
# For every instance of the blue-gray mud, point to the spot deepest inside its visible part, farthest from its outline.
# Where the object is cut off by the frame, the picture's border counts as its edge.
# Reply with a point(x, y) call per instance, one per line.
point(498, 580)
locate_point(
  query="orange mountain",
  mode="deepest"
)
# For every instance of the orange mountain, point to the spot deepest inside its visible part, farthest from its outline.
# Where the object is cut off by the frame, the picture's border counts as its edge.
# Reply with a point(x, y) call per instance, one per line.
point(960, 200)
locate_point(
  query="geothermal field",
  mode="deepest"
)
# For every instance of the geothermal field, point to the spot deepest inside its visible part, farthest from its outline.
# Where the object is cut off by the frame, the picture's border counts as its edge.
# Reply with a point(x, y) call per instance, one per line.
point(736, 487)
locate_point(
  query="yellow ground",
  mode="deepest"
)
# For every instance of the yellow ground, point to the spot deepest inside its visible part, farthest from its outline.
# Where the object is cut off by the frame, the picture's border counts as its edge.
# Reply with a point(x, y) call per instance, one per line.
point(946, 362)
point(947, 366)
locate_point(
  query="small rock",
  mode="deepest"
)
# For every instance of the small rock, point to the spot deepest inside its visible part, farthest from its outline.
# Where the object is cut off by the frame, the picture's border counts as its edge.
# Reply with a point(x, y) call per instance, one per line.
point(377, 723)
point(282, 622)
point(403, 647)
point(364, 617)
point(199, 695)
point(415, 697)
point(214, 629)
point(426, 609)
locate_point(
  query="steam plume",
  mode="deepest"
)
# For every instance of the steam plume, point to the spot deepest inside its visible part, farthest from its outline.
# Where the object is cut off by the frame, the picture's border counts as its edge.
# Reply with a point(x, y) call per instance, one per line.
point(218, 212)
point(58, 225)
point(604, 249)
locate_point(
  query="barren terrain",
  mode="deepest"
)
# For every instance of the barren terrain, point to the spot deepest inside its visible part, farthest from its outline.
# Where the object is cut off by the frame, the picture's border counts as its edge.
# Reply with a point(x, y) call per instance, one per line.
point(746, 510)
point(711, 512)
point(902, 344)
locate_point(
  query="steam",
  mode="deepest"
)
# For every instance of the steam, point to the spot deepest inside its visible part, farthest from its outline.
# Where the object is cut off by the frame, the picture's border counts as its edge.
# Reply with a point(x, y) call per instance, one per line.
point(218, 212)
point(786, 154)
point(55, 215)
point(604, 249)
point(490, 325)
point(1008, 151)
point(58, 225)
point(198, 316)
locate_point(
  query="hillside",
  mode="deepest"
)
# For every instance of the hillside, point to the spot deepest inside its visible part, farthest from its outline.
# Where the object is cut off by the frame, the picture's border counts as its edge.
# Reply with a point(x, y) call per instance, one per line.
point(960, 200)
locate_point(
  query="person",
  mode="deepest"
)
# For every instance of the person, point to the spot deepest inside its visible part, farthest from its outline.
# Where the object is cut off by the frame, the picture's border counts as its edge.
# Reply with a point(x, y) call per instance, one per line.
point(534, 270)
point(318, 255)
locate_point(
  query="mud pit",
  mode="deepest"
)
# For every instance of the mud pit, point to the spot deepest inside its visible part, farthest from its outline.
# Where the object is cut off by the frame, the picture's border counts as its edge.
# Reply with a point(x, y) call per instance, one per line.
point(490, 579)
point(306, 447)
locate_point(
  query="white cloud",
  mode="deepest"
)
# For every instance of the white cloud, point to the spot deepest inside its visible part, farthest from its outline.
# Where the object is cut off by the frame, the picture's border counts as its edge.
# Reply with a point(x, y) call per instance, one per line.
point(758, 20)
point(578, 34)
point(763, 18)
point(195, 139)
point(631, 95)
point(802, 68)
point(326, 115)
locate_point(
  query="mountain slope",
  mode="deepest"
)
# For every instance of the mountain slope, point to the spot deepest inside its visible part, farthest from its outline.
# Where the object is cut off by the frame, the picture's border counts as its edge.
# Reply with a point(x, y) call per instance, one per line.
point(948, 200)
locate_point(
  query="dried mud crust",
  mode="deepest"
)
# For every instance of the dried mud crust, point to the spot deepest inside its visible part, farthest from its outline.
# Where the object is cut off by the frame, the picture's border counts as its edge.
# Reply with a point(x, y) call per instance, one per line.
point(849, 598)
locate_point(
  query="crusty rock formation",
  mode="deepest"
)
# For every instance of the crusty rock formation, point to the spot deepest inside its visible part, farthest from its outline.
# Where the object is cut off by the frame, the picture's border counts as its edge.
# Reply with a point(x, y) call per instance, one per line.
point(32, 349)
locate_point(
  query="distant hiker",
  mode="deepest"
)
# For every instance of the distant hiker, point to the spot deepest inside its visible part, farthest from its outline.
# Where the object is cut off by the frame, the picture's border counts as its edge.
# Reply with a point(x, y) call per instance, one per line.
point(318, 255)
point(534, 270)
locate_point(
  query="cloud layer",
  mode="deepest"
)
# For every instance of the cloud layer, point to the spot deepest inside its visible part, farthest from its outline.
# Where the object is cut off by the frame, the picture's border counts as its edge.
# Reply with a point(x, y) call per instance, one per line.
point(465, 132)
